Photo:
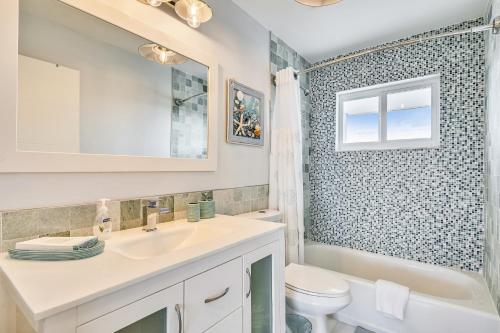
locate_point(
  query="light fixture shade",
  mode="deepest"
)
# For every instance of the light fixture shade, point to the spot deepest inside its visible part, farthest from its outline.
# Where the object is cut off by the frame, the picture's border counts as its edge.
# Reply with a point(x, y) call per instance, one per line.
point(318, 3)
point(195, 12)
point(154, 3)
point(161, 54)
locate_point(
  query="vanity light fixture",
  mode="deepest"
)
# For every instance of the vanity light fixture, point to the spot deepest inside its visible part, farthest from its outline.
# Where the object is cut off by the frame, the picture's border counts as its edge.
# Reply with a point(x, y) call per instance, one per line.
point(194, 12)
point(154, 3)
point(161, 54)
point(157, 3)
point(312, 3)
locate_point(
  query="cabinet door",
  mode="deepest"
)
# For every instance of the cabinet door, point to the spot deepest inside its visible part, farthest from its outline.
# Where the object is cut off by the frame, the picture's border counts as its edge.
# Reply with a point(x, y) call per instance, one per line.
point(157, 313)
point(230, 324)
point(263, 290)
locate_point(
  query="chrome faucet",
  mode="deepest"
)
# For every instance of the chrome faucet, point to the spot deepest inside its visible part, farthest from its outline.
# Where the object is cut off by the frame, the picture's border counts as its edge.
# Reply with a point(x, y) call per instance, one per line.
point(150, 215)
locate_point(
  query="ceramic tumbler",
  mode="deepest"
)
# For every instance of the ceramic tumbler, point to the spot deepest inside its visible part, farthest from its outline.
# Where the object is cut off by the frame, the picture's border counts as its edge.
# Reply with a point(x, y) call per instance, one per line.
point(207, 209)
point(193, 212)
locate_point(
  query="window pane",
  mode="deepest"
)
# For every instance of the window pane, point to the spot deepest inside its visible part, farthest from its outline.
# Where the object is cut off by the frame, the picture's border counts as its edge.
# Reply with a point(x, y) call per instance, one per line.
point(361, 120)
point(409, 115)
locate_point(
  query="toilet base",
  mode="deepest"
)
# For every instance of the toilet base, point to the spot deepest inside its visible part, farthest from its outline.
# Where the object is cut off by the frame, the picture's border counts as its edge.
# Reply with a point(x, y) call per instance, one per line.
point(320, 323)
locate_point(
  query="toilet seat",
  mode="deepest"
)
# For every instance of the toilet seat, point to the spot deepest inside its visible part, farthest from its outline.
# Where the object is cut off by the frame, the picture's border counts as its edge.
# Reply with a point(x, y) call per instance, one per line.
point(315, 281)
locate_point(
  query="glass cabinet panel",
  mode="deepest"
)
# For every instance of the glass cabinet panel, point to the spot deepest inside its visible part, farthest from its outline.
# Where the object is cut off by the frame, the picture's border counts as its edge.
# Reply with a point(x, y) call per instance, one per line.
point(155, 323)
point(262, 291)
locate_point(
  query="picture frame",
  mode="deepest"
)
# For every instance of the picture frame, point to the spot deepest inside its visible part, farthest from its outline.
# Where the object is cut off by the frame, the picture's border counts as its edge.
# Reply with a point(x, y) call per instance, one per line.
point(245, 115)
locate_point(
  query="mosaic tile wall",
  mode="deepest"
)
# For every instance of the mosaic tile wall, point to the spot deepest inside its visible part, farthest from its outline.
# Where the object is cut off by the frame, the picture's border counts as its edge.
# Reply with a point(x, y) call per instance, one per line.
point(189, 121)
point(422, 204)
point(283, 56)
point(492, 250)
point(78, 220)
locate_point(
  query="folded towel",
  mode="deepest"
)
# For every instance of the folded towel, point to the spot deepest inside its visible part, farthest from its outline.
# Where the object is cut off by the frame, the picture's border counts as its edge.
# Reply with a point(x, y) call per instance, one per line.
point(391, 298)
point(57, 244)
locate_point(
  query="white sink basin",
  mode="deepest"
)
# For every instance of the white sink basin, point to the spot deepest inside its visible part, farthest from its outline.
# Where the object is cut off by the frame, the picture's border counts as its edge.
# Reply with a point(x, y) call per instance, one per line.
point(139, 245)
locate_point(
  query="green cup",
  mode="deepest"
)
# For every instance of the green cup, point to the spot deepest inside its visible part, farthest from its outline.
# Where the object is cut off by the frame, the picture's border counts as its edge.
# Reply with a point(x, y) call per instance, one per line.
point(193, 212)
point(207, 209)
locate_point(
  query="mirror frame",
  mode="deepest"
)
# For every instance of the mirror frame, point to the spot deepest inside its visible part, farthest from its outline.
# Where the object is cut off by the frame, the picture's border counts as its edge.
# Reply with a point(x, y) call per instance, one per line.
point(126, 15)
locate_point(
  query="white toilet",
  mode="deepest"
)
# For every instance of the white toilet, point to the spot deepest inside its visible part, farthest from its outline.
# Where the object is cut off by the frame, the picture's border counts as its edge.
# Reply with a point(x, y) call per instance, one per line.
point(311, 291)
point(315, 293)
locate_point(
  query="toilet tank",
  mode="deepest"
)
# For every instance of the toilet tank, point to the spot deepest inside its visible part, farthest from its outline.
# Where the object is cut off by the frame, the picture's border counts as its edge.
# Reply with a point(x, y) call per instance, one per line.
point(269, 215)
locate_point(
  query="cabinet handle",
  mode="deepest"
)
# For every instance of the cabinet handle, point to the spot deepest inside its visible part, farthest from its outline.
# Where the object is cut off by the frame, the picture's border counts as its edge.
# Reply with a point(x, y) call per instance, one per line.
point(179, 316)
point(213, 299)
point(249, 282)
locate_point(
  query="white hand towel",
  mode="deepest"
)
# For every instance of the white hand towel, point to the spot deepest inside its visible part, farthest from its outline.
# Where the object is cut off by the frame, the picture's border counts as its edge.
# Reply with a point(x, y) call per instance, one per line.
point(391, 298)
point(54, 244)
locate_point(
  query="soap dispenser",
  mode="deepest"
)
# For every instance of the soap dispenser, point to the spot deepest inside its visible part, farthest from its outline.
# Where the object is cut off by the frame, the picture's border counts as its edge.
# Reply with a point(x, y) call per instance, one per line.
point(103, 224)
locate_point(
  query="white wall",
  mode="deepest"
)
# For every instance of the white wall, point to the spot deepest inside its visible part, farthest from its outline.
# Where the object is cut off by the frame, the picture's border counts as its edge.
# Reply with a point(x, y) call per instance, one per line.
point(44, 123)
point(242, 47)
point(125, 100)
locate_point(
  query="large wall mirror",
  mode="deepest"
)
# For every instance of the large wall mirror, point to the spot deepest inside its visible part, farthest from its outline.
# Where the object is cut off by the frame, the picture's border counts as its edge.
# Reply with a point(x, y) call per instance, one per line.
point(93, 89)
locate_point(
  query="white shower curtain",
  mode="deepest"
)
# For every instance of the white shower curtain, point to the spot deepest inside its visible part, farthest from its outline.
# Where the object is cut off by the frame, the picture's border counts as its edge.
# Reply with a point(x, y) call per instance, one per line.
point(285, 183)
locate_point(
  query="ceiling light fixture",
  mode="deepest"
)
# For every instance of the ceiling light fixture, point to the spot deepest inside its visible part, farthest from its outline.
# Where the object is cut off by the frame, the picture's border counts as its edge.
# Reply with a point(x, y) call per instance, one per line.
point(313, 3)
point(194, 12)
point(161, 54)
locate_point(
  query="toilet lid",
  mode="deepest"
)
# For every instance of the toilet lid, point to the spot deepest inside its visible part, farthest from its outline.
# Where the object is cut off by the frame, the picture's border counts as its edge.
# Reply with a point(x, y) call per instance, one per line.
point(315, 281)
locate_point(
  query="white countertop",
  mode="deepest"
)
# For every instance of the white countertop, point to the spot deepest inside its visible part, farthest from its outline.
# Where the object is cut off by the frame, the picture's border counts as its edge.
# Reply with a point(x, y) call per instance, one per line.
point(48, 288)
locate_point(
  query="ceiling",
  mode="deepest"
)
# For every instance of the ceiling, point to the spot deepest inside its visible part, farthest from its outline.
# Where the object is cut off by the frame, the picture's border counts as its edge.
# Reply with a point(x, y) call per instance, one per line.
point(318, 33)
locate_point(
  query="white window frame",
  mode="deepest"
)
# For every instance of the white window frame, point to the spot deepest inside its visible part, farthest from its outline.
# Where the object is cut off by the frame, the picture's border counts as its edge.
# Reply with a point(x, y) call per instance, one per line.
point(381, 91)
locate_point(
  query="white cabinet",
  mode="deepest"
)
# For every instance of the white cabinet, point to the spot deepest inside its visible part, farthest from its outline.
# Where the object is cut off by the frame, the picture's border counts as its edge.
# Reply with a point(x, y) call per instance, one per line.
point(243, 295)
point(157, 313)
point(263, 292)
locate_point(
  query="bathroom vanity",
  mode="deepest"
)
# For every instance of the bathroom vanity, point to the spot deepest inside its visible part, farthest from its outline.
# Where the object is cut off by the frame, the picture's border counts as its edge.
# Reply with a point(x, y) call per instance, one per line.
point(110, 86)
point(220, 275)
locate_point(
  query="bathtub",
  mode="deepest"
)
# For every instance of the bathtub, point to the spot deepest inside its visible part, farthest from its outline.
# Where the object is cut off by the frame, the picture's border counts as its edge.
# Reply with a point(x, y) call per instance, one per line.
point(441, 299)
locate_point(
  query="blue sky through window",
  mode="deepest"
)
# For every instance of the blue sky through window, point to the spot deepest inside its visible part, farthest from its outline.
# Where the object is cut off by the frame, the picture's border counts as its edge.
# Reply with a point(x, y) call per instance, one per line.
point(361, 127)
point(408, 124)
point(402, 124)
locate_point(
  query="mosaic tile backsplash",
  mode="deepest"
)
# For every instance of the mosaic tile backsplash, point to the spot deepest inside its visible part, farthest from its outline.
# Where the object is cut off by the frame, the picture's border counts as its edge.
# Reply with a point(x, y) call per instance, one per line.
point(78, 220)
point(492, 251)
point(283, 56)
point(421, 204)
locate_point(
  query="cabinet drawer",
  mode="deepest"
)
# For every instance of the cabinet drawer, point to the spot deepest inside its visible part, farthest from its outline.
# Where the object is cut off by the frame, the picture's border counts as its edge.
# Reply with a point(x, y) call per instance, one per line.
point(212, 295)
point(232, 323)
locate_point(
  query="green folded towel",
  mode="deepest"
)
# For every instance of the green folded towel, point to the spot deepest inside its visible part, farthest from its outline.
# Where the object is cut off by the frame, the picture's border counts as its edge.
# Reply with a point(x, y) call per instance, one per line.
point(88, 244)
point(82, 253)
point(54, 244)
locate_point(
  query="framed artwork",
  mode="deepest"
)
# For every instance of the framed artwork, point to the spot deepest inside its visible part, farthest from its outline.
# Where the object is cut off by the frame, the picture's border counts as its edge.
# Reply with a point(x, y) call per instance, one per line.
point(245, 116)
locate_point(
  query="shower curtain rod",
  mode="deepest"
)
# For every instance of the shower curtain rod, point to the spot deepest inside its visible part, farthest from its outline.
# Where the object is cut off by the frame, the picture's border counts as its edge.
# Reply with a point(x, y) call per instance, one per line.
point(180, 102)
point(494, 26)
